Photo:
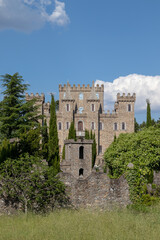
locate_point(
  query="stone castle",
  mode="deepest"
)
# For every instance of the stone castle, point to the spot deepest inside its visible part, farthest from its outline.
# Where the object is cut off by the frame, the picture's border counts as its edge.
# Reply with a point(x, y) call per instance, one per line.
point(85, 106)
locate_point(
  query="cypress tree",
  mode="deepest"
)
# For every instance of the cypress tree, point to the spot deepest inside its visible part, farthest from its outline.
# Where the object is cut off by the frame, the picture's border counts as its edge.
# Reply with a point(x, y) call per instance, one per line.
point(45, 140)
point(63, 152)
point(86, 134)
point(54, 159)
point(94, 150)
point(72, 132)
point(149, 121)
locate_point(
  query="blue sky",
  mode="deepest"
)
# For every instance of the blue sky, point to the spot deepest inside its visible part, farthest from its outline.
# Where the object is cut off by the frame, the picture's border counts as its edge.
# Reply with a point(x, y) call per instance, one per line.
point(115, 42)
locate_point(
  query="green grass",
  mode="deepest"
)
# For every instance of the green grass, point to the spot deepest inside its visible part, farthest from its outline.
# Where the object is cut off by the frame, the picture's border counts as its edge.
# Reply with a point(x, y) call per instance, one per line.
point(117, 224)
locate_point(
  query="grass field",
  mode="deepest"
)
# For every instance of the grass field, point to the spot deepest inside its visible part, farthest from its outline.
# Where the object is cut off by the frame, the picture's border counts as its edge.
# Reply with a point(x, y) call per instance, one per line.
point(90, 224)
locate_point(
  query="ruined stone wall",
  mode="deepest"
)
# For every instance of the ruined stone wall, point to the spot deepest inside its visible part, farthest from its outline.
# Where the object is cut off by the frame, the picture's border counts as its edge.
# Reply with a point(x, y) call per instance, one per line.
point(96, 190)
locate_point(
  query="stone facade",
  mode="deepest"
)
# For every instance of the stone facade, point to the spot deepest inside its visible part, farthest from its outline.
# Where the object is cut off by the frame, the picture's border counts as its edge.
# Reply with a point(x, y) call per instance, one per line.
point(87, 186)
point(85, 106)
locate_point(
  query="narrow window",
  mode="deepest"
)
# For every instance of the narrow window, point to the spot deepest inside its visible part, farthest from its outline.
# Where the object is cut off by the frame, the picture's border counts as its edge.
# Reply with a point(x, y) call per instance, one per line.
point(67, 125)
point(81, 152)
point(100, 125)
point(100, 149)
point(92, 107)
point(129, 107)
point(67, 108)
point(123, 126)
point(115, 126)
point(92, 126)
point(81, 172)
point(59, 126)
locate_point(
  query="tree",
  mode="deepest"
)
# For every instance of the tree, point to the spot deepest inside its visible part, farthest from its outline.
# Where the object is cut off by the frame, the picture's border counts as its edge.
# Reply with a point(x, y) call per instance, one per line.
point(29, 142)
point(86, 134)
point(16, 114)
point(149, 121)
point(72, 132)
point(28, 181)
point(53, 147)
point(71, 135)
point(136, 125)
point(94, 149)
point(44, 133)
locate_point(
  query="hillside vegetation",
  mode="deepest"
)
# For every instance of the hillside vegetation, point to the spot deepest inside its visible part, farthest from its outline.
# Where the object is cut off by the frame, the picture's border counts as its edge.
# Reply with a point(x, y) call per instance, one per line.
point(142, 149)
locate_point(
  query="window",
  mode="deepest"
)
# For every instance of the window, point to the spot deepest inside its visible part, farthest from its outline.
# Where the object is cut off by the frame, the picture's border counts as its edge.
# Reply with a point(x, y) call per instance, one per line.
point(80, 126)
point(81, 96)
point(115, 126)
point(123, 126)
point(80, 110)
point(129, 107)
point(59, 126)
point(100, 149)
point(68, 107)
point(81, 152)
point(100, 125)
point(81, 172)
point(97, 94)
point(67, 125)
point(92, 108)
point(92, 126)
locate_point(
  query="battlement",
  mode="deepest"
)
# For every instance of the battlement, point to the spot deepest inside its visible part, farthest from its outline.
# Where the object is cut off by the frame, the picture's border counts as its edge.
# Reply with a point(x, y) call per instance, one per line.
point(82, 88)
point(37, 96)
point(126, 98)
point(46, 105)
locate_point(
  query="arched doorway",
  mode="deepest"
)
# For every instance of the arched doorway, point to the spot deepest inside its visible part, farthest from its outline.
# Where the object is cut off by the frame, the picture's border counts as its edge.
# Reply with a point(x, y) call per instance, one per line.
point(81, 172)
point(80, 126)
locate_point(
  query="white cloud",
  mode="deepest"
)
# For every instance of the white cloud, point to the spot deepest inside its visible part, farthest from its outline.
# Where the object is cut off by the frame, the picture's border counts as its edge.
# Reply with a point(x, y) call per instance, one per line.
point(145, 87)
point(29, 15)
point(59, 15)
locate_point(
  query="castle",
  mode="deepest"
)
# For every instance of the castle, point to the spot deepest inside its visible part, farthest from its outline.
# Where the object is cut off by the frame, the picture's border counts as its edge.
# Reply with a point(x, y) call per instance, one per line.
point(85, 106)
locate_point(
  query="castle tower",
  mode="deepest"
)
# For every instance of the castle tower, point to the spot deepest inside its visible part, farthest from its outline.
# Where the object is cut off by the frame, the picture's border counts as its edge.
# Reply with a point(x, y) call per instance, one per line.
point(78, 158)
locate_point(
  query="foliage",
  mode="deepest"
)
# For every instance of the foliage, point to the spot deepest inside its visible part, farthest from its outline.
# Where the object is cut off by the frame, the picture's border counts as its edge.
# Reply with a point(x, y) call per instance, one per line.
point(63, 152)
point(148, 122)
point(44, 132)
point(29, 142)
point(53, 147)
point(31, 183)
point(90, 135)
point(72, 132)
point(8, 150)
point(143, 150)
point(16, 114)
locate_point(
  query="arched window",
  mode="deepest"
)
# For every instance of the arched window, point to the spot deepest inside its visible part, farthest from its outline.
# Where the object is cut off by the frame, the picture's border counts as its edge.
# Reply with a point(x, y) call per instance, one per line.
point(81, 152)
point(81, 172)
point(80, 126)
point(59, 126)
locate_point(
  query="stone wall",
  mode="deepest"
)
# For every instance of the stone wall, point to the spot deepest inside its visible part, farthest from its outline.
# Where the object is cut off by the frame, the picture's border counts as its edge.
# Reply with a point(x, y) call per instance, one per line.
point(96, 190)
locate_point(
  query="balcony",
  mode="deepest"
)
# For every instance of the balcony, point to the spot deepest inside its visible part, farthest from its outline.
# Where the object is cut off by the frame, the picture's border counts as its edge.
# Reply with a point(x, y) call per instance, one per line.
point(80, 133)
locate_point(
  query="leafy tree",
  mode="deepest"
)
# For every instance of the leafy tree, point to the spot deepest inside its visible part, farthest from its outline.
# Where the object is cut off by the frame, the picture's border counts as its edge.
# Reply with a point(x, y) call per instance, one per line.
point(53, 147)
point(44, 133)
point(72, 132)
point(16, 114)
point(28, 181)
point(142, 150)
point(149, 122)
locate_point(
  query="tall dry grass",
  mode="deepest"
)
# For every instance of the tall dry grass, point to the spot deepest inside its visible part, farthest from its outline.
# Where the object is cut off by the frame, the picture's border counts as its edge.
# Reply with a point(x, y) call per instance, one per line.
point(119, 224)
